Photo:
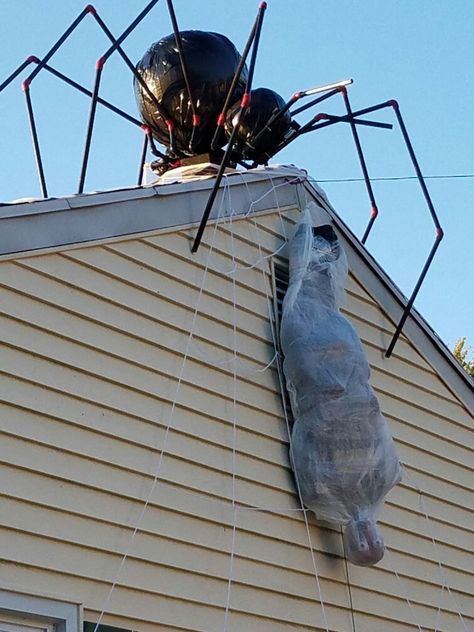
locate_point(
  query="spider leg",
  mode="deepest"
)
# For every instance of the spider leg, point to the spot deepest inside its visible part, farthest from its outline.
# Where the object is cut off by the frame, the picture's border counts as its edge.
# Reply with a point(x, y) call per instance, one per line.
point(42, 64)
point(353, 120)
point(221, 118)
point(30, 60)
point(34, 135)
point(434, 217)
point(357, 121)
point(314, 102)
point(142, 158)
point(355, 134)
point(116, 46)
point(243, 108)
point(89, 9)
point(184, 68)
point(31, 119)
point(26, 89)
point(331, 90)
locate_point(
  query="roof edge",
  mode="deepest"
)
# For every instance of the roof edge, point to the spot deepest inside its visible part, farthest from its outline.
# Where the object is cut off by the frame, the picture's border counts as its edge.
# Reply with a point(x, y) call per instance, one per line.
point(30, 227)
point(393, 303)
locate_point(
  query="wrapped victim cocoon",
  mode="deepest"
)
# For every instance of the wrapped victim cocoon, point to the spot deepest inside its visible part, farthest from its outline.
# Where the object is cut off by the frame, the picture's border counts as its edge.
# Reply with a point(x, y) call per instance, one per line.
point(341, 448)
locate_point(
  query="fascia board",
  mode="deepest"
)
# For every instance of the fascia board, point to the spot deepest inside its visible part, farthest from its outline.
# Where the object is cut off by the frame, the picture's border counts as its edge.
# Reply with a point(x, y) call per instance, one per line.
point(87, 218)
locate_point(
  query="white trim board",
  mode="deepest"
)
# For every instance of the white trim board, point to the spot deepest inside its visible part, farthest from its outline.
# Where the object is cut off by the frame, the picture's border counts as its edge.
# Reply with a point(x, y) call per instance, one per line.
point(20, 607)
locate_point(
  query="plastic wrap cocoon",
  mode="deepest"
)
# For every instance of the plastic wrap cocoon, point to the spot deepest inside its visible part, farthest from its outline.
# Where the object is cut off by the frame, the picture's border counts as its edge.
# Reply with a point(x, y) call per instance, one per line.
point(341, 447)
point(212, 60)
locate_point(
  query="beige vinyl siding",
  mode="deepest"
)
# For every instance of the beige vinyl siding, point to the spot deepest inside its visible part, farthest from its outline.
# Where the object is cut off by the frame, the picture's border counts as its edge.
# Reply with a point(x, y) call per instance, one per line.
point(92, 341)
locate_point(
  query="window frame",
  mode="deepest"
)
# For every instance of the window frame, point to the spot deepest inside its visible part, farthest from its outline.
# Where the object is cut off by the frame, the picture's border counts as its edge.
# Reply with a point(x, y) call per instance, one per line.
point(280, 280)
point(33, 611)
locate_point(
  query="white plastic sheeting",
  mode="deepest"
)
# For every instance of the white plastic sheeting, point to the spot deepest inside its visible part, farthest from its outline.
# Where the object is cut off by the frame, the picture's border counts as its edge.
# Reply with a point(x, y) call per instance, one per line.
point(341, 449)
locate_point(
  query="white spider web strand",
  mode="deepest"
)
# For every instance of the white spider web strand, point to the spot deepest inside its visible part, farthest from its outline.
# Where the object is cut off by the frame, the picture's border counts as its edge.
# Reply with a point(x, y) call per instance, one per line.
point(430, 530)
point(438, 613)
point(444, 584)
point(272, 189)
point(442, 572)
point(165, 440)
point(253, 203)
point(277, 201)
point(228, 503)
point(199, 352)
point(443, 577)
point(310, 543)
point(234, 435)
point(404, 592)
point(282, 392)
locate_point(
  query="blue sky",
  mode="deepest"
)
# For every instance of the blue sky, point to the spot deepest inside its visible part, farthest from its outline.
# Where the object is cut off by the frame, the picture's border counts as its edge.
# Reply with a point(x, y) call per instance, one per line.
point(419, 52)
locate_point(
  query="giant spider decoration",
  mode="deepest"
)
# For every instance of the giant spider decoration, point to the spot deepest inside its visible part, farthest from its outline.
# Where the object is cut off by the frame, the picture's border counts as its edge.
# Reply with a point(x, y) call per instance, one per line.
point(195, 96)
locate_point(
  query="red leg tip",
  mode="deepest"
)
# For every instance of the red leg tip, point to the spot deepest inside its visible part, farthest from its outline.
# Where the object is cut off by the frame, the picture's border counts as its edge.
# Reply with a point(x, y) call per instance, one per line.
point(245, 100)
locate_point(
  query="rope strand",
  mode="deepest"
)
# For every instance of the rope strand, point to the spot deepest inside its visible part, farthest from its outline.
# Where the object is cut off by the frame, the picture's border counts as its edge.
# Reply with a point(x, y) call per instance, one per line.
point(397, 178)
point(282, 393)
point(442, 574)
point(234, 433)
point(261, 263)
point(404, 592)
point(164, 444)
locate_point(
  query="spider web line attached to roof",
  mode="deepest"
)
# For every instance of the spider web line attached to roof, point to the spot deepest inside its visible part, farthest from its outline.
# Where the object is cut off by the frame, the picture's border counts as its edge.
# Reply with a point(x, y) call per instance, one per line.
point(262, 265)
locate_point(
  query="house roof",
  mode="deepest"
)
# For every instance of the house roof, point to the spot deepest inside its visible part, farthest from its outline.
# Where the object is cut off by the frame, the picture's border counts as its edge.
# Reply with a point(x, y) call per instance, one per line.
point(29, 227)
point(33, 225)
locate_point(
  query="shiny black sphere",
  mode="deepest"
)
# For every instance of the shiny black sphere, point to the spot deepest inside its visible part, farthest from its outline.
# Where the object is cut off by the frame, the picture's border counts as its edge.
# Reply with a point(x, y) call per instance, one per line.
point(253, 144)
point(212, 60)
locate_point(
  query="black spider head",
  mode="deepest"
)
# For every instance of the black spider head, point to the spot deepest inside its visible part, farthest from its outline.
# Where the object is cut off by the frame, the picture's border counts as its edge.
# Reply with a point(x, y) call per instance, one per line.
point(256, 140)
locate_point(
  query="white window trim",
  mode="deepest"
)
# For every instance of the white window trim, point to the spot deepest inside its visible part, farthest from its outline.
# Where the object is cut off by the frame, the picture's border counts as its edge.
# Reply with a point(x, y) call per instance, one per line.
point(61, 616)
point(16, 623)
